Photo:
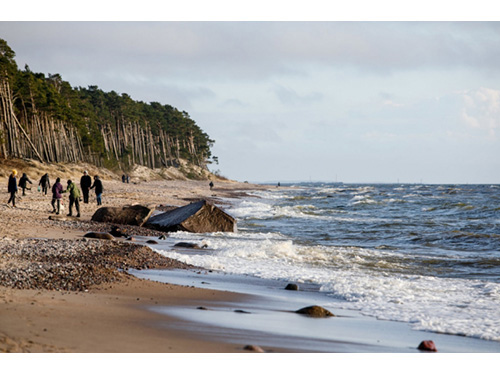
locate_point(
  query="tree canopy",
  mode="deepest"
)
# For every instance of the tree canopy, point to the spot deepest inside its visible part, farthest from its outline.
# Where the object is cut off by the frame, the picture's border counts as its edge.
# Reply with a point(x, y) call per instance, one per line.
point(100, 118)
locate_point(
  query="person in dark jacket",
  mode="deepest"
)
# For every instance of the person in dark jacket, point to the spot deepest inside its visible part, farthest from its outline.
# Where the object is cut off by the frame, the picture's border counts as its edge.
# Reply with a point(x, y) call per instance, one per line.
point(44, 183)
point(85, 183)
point(57, 189)
point(98, 189)
point(74, 197)
point(12, 188)
point(22, 183)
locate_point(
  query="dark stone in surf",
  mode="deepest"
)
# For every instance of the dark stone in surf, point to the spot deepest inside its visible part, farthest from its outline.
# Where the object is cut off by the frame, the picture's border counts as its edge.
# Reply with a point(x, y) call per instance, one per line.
point(152, 242)
point(99, 235)
point(197, 217)
point(427, 346)
point(129, 215)
point(189, 245)
point(315, 312)
point(254, 348)
point(292, 287)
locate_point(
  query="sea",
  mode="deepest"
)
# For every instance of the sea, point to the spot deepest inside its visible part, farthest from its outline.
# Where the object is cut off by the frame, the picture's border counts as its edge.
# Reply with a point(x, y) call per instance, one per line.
point(426, 255)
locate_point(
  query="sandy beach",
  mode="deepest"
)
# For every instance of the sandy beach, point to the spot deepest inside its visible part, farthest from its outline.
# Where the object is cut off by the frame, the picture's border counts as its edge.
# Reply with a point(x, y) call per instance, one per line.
point(63, 293)
point(42, 310)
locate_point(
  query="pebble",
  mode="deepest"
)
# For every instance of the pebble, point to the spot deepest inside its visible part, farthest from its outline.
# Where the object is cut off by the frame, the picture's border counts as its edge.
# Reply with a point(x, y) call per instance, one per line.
point(73, 265)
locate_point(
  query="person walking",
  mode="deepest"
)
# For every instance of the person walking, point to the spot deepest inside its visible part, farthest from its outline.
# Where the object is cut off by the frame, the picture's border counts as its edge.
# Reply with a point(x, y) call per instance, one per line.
point(22, 183)
point(98, 189)
point(74, 198)
point(85, 183)
point(12, 187)
point(57, 189)
point(45, 183)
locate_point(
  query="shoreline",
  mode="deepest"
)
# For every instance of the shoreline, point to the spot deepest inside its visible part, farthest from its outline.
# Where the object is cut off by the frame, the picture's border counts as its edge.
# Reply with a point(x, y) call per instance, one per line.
point(107, 316)
point(119, 314)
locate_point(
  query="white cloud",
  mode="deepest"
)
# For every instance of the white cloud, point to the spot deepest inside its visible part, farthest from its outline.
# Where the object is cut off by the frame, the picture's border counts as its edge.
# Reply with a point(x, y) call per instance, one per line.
point(481, 109)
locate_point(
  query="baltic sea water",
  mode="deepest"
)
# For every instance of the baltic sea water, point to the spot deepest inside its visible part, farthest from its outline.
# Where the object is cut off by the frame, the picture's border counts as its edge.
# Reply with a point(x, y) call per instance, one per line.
point(427, 255)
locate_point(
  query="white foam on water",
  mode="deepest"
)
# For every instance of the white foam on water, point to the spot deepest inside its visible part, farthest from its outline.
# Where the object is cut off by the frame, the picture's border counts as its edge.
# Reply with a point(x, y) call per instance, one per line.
point(378, 283)
point(355, 279)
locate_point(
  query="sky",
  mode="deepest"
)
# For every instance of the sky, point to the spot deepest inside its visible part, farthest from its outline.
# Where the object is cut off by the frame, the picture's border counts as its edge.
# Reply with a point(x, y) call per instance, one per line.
point(346, 101)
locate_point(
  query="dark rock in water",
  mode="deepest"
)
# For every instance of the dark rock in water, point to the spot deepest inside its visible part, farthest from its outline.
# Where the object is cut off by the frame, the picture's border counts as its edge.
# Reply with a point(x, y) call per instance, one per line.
point(201, 308)
point(99, 235)
point(129, 215)
point(428, 346)
point(152, 242)
point(242, 312)
point(162, 237)
point(315, 312)
point(190, 245)
point(197, 217)
point(254, 348)
point(130, 238)
point(292, 287)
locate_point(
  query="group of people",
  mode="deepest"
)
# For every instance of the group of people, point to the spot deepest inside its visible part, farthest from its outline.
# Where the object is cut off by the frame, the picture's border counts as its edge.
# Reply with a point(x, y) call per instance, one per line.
point(57, 190)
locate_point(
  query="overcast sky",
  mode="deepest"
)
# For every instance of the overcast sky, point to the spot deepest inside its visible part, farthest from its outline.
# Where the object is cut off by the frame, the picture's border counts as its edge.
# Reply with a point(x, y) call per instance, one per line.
point(300, 101)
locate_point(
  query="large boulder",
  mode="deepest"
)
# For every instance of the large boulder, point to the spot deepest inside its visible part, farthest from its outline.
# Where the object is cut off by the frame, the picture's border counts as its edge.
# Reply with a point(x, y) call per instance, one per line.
point(197, 217)
point(129, 215)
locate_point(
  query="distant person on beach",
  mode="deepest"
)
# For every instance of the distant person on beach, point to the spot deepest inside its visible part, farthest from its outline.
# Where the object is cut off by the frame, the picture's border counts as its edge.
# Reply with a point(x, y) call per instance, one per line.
point(12, 188)
point(128, 179)
point(211, 185)
point(57, 190)
point(124, 178)
point(85, 183)
point(74, 198)
point(44, 183)
point(98, 189)
point(22, 183)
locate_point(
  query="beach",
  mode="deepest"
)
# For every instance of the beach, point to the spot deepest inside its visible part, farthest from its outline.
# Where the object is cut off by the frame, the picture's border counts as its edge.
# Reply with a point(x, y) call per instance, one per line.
point(107, 314)
point(63, 293)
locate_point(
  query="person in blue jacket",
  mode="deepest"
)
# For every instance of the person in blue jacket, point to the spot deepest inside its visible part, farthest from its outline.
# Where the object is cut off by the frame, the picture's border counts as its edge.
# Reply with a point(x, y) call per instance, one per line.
point(98, 189)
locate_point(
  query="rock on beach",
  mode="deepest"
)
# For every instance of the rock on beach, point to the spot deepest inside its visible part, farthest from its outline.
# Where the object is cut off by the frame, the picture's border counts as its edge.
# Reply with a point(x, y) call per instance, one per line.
point(197, 217)
point(315, 312)
point(129, 215)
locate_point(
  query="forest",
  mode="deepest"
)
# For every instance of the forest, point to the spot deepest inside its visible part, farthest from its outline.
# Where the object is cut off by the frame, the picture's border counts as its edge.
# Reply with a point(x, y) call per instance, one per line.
point(45, 118)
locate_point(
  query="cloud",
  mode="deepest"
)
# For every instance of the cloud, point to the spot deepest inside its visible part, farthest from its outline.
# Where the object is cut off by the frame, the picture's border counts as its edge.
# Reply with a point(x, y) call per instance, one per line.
point(481, 109)
point(255, 50)
point(290, 97)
